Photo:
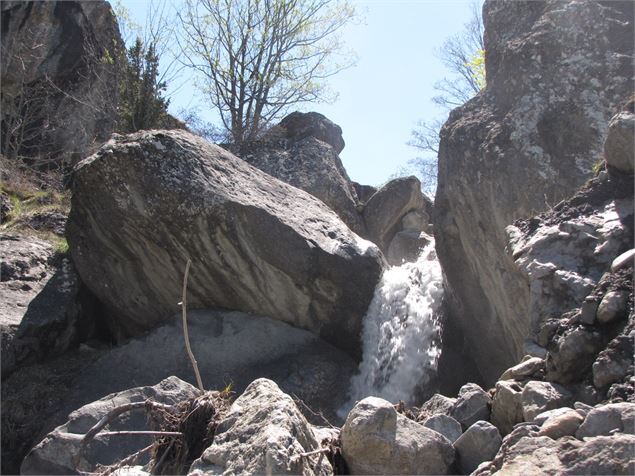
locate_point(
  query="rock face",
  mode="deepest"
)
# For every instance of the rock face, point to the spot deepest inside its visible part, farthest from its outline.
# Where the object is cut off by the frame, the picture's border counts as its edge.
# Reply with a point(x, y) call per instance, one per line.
point(303, 151)
point(50, 47)
point(527, 140)
point(146, 203)
point(542, 455)
point(39, 295)
point(378, 440)
point(54, 454)
point(264, 433)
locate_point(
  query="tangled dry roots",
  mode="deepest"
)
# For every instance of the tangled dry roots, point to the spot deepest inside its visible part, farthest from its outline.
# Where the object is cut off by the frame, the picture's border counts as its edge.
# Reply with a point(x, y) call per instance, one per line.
point(197, 419)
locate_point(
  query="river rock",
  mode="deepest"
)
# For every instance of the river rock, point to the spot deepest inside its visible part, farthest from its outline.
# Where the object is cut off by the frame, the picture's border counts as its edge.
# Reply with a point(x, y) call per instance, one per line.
point(145, 203)
point(527, 141)
point(525, 369)
point(612, 306)
point(446, 425)
point(305, 155)
point(538, 397)
point(507, 408)
point(263, 433)
point(564, 424)
point(55, 453)
point(606, 419)
point(436, 405)
point(618, 148)
point(479, 443)
point(378, 440)
point(472, 404)
point(542, 455)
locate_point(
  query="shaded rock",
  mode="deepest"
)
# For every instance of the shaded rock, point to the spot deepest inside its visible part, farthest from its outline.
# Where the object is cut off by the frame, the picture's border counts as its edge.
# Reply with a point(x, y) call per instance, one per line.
point(263, 433)
point(54, 454)
point(606, 419)
point(364, 192)
point(572, 354)
point(406, 246)
point(145, 203)
point(299, 125)
point(479, 443)
point(538, 397)
point(230, 347)
point(377, 440)
point(302, 157)
point(40, 310)
point(618, 147)
point(525, 369)
point(615, 362)
point(52, 221)
point(472, 405)
point(416, 220)
point(507, 408)
point(524, 143)
point(612, 306)
point(542, 455)
point(558, 426)
point(62, 43)
point(446, 425)
point(385, 210)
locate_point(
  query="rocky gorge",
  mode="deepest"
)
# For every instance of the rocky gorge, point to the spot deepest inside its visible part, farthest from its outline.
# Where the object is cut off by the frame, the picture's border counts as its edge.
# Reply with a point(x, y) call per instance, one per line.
point(342, 328)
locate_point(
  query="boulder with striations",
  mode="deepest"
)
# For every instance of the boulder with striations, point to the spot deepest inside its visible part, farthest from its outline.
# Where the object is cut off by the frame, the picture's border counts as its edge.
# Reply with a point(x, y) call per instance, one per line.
point(146, 203)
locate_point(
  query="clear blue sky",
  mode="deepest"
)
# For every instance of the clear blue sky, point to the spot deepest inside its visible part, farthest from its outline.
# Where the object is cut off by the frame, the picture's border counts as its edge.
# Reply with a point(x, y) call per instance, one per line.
point(387, 92)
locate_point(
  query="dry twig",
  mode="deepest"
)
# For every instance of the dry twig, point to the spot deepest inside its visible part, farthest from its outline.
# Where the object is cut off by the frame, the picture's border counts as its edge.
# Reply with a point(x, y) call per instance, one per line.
point(185, 331)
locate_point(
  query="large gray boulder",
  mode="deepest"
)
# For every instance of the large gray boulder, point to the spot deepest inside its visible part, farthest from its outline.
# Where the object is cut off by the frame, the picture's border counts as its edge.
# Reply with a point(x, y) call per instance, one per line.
point(385, 210)
point(527, 141)
point(60, 43)
point(56, 452)
point(145, 203)
point(263, 433)
point(378, 440)
point(538, 397)
point(472, 404)
point(607, 419)
point(303, 151)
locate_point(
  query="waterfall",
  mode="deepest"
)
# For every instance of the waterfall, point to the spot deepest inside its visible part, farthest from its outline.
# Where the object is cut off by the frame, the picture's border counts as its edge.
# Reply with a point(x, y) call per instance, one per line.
point(401, 332)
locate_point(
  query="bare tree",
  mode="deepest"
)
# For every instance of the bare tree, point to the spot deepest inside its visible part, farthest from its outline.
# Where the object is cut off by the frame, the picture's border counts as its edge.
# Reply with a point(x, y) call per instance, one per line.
point(463, 56)
point(256, 58)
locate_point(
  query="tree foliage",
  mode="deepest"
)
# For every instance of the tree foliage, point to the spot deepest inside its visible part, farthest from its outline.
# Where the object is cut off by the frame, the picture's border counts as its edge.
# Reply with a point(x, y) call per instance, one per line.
point(141, 101)
point(256, 58)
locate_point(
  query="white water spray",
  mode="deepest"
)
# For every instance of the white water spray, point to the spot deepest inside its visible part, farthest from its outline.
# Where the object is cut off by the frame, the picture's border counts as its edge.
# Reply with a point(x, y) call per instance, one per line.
point(401, 332)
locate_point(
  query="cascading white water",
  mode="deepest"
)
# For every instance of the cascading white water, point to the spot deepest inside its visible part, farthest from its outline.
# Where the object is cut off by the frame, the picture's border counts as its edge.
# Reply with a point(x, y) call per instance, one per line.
point(401, 332)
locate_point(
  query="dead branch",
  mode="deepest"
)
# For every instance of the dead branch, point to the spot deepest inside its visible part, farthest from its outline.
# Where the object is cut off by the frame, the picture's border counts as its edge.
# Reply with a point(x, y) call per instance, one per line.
point(312, 412)
point(140, 433)
point(127, 461)
point(185, 332)
point(108, 418)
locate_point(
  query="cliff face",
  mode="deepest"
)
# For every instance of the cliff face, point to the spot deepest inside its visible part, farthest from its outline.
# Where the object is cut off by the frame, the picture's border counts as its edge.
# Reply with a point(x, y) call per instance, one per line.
point(556, 71)
point(59, 85)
